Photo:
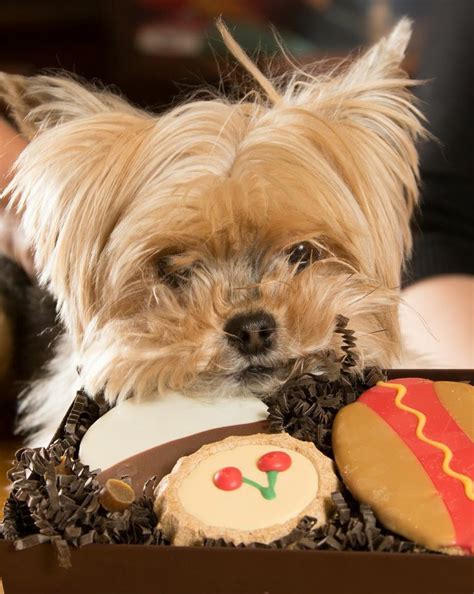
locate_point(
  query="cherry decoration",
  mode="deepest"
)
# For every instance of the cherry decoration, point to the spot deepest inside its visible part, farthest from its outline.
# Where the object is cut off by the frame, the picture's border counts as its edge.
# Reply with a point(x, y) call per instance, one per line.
point(274, 461)
point(228, 478)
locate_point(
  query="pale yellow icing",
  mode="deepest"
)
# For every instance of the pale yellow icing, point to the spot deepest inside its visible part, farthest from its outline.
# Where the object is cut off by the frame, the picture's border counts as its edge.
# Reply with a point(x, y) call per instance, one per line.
point(245, 508)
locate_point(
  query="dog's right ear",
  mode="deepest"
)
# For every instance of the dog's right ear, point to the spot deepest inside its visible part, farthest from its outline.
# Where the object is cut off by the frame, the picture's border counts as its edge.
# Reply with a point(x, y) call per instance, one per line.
point(41, 102)
point(70, 183)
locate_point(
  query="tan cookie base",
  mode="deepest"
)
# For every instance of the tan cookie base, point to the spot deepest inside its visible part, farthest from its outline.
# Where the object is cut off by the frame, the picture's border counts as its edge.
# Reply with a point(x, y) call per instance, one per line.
point(184, 529)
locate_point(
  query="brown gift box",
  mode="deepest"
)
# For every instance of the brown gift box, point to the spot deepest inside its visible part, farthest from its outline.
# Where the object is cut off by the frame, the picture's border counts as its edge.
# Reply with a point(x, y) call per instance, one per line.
point(137, 569)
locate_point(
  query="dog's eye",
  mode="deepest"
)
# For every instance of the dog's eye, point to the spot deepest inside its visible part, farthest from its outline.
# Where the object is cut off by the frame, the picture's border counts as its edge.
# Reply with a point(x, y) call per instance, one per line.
point(304, 254)
point(171, 274)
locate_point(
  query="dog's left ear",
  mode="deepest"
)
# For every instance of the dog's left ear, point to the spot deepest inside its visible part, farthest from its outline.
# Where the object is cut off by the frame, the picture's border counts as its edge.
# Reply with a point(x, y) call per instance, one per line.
point(374, 119)
point(366, 120)
point(38, 103)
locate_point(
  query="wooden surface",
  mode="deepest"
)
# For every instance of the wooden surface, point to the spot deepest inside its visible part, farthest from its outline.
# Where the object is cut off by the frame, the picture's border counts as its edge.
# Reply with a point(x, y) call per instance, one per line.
point(7, 452)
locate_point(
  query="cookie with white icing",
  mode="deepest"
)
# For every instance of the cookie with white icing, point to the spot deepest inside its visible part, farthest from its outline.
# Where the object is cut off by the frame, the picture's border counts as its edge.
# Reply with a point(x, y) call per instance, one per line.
point(135, 426)
point(245, 489)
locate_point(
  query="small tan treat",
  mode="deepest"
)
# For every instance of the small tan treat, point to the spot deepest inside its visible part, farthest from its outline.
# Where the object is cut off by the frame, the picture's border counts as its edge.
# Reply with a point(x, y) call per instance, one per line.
point(116, 495)
point(61, 467)
point(245, 489)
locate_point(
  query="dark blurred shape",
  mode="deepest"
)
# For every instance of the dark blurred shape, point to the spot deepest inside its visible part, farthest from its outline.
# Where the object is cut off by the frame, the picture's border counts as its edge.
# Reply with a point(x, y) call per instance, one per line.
point(444, 234)
point(155, 49)
point(53, 34)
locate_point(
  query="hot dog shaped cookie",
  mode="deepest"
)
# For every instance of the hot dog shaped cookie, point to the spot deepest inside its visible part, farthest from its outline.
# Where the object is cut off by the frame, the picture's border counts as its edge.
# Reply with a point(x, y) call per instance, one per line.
point(405, 448)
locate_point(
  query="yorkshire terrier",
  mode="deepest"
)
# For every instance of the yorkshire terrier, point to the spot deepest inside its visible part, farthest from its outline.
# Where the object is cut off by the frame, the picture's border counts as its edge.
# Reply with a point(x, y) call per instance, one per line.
point(211, 249)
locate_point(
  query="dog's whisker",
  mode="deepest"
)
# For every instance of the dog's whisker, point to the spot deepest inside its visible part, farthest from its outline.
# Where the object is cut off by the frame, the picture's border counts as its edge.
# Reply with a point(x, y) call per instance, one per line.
point(262, 284)
point(364, 296)
point(336, 260)
point(155, 296)
point(373, 332)
point(420, 317)
point(222, 367)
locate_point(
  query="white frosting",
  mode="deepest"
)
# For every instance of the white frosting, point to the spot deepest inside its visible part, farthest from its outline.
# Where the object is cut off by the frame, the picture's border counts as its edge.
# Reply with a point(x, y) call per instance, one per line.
point(133, 427)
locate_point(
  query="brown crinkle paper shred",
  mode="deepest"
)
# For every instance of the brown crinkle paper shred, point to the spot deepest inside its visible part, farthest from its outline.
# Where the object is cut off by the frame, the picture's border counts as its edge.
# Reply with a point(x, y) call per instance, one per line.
point(55, 498)
point(306, 406)
point(353, 527)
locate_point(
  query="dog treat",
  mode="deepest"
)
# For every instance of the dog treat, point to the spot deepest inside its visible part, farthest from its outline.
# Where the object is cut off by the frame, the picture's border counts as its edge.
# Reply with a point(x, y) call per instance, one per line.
point(116, 495)
point(62, 467)
point(406, 449)
point(133, 427)
point(249, 489)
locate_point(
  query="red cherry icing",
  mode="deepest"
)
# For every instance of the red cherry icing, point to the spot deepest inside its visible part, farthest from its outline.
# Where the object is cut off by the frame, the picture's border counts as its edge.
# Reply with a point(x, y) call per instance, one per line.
point(228, 478)
point(279, 461)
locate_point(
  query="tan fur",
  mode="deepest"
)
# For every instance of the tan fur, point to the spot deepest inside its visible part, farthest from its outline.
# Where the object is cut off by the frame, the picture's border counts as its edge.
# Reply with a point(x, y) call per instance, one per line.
point(224, 189)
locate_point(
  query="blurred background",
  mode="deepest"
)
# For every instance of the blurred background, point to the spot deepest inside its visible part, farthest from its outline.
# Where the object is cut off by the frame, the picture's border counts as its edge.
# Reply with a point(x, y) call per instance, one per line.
point(156, 49)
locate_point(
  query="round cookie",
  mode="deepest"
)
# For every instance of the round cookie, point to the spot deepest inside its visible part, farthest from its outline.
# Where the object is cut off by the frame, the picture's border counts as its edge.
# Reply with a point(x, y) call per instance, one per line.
point(245, 489)
point(406, 448)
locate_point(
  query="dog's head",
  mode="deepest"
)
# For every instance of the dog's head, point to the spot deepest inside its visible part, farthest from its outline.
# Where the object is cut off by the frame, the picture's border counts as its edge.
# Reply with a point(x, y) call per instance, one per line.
point(211, 249)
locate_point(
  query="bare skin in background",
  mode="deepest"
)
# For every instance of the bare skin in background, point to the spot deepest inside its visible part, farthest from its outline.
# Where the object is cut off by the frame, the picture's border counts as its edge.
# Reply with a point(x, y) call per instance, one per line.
point(443, 291)
point(437, 320)
point(12, 242)
point(437, 315)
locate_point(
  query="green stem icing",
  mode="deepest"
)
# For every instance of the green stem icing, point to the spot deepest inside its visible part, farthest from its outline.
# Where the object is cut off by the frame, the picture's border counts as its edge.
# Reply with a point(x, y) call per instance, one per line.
point(266, 492)
point(272, 479)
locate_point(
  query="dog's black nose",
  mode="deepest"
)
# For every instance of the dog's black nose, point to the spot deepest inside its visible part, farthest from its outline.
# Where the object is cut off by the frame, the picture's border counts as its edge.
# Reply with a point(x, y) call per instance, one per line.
point(251, 333)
